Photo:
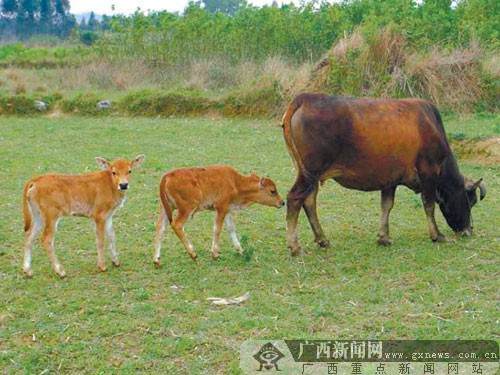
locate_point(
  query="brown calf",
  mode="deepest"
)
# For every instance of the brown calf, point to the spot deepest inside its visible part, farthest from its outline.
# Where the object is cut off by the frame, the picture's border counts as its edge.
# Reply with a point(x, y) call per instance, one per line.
point(97, 195)
point(217, 188)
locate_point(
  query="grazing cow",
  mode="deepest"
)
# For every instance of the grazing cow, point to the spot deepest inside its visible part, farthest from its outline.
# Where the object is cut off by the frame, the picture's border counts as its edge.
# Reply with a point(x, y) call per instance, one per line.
point(97, 195)
point(217, 188)
point(369, 144)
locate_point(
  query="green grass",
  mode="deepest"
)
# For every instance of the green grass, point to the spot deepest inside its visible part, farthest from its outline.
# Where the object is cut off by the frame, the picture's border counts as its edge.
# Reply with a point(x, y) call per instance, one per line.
point(139, 319)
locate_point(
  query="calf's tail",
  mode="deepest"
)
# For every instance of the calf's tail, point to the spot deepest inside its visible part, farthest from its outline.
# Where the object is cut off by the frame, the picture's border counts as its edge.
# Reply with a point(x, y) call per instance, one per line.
point(27, 216)
point(164, 200)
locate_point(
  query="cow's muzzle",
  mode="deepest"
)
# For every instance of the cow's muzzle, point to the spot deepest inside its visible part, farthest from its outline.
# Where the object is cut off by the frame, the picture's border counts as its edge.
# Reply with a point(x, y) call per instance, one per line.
point(123, 186)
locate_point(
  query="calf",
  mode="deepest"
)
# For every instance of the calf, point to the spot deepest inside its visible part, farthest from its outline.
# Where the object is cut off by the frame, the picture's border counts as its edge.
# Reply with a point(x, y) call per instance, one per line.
point(97, 195)
point(217, 188)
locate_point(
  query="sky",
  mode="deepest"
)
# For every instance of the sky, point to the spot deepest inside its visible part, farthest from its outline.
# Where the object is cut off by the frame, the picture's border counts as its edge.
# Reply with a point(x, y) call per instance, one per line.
point(129, 6)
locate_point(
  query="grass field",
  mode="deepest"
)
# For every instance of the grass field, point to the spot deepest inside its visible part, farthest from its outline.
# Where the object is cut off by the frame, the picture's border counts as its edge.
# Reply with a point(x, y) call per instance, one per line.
point(139, 319)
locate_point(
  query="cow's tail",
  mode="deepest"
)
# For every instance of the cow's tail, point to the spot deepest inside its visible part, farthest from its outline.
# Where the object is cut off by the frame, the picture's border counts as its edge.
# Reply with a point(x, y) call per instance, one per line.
point(27, 215)
point(163, 198)
point(287, 133)
point(307, 181)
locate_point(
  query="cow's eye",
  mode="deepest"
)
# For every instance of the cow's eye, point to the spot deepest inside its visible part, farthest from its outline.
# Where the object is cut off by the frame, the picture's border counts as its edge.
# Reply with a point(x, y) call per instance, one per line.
point(273, 192)
point(129, 172)
point(114, 173)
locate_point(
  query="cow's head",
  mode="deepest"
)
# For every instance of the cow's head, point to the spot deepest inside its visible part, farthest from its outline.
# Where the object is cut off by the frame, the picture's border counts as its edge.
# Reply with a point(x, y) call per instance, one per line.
point(267, 193)
point(120, 170)
point(456, 204)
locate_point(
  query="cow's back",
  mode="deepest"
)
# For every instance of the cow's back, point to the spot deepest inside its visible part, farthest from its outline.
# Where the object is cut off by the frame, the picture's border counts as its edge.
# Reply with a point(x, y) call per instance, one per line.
point(364, 144)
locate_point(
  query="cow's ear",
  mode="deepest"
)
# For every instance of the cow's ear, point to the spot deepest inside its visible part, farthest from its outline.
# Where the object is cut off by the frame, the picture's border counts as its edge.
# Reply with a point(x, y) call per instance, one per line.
point(137, 162)
point(262, 184)
point(103, 163)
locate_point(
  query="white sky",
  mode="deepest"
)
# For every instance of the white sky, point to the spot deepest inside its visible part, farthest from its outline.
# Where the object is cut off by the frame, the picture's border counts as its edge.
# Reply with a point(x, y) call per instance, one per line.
point(129, 6)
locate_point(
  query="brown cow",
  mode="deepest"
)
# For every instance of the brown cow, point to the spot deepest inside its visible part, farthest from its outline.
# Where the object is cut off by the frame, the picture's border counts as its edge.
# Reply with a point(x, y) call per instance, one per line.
point(369, 144)
point(217, 188)
point(97, 195)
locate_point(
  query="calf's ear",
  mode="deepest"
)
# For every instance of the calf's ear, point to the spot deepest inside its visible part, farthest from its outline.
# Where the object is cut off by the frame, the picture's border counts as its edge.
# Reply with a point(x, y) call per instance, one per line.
point(103, 163)
point(137, 162)
point(262, 184)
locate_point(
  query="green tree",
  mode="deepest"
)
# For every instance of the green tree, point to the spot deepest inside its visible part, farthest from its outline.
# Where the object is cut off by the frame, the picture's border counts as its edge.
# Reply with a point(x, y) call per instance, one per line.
point(225, 6)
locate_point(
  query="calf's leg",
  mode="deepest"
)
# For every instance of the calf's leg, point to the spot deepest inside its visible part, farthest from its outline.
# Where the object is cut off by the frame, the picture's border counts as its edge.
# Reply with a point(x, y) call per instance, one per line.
point(112, 242)
point(29, 239)
point(231, 228)
point(48, 235)
point(219, 221)
point(160, 232)
point(100, 228)
point(387, 202)
point(178, 227)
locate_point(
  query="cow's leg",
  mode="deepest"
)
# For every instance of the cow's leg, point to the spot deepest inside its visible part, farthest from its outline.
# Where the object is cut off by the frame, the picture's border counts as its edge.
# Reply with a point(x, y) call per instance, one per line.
point(312, 216)
point(294, 202)
point(231, 228)
point(178, 227)
point(29, 239)
point(218, 223)
point(428, 199)
point(48, 234)
point(160, 231)
point(100, 228)
point(112, 242)
point(387, 202)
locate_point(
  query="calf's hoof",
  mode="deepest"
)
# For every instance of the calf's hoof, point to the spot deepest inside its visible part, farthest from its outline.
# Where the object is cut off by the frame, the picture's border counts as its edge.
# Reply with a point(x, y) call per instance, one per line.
point(102, 268)
point(215, 256)
point(193, 257)
point(28, 272)
point(385, 241)
point(62, 274)
point(323, 243)
point(116, 263)
point(157, 264)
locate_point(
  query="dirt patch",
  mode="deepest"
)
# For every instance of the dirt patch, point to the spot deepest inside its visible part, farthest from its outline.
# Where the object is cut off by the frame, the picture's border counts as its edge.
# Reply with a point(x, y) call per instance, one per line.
point(484, 152)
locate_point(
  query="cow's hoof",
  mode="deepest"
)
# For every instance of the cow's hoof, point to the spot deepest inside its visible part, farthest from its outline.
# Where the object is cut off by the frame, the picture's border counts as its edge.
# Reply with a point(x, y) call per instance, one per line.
point(62, 274)
point(215, 256)
point(440, 238)
point(116, 263)
point(157, 264)
point(28, 272)
point(323, 243)
point(193, 257)
point(385, 241)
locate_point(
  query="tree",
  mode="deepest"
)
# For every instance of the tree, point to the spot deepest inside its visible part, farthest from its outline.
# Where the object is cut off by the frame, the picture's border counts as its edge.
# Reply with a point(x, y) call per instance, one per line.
point(225, 6)
point(9, 7)
point(93, 23)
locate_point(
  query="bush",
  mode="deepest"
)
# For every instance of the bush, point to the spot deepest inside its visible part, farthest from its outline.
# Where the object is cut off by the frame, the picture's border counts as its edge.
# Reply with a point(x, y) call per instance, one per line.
point(83, 104)
point(151, 103)
point(89, 37)
point(385, 66)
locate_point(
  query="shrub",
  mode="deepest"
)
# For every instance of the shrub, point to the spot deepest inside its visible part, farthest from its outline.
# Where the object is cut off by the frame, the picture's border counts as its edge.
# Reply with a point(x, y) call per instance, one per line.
point(83, 104)
point(152, 103)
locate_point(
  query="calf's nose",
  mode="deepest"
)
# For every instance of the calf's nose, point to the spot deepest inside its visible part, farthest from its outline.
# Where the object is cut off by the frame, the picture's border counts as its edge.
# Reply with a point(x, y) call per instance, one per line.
point(281, 203)
point(123, 186)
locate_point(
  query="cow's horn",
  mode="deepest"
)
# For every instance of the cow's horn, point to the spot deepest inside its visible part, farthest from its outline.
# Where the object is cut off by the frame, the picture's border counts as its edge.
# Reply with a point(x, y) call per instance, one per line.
point(482, 189)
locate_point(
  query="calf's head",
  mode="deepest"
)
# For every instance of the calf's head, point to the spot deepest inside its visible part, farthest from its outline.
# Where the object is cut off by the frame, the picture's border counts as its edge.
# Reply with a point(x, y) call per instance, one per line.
point(120, 170)
point(268, 193)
